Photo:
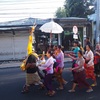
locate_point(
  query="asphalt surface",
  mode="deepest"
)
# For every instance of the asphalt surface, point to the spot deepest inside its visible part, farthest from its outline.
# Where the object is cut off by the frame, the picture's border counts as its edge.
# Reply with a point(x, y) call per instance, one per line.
point(13, 79)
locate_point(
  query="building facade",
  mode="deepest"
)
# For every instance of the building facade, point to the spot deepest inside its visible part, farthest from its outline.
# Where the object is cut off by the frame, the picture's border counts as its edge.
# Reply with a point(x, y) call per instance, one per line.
point(14, 38)
point(13, 46)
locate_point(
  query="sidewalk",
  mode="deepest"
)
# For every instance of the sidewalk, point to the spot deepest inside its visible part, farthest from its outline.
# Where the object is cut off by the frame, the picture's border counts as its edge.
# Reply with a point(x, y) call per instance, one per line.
point(14, 64)
point(11, 64)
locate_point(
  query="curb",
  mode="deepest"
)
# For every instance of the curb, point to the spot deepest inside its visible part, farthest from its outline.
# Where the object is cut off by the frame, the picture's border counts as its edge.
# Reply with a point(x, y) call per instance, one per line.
point(17, 64)
point(9, 67)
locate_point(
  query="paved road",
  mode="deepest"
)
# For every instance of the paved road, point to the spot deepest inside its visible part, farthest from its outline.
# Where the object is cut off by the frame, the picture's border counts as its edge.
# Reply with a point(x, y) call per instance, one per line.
point(12, 80)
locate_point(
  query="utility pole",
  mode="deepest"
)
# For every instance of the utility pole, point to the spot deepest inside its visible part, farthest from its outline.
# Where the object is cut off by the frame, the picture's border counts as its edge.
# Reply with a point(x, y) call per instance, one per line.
point(97, 21)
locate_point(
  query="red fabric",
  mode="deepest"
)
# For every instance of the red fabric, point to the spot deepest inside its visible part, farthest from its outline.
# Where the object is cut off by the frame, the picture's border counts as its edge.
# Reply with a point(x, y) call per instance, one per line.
point(80, 78)
point(90, 72)
point(96, 59)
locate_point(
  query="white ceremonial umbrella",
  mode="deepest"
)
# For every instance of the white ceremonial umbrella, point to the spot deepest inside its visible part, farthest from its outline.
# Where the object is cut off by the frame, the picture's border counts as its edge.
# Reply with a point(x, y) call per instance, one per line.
point(51, 27)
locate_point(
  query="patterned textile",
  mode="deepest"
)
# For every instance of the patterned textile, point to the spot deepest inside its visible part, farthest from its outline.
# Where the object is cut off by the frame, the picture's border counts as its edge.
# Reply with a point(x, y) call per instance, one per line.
point(90, 72)
point(96, 57)
point(80, 79)
point(58, 75)
point(32, 78)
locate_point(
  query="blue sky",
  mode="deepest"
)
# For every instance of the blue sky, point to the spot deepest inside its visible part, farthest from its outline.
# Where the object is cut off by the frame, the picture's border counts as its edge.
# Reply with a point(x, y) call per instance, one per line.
point(20, 9)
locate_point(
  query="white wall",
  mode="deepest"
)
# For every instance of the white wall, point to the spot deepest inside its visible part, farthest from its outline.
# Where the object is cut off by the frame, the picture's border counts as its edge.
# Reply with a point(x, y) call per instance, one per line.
point(13, 46)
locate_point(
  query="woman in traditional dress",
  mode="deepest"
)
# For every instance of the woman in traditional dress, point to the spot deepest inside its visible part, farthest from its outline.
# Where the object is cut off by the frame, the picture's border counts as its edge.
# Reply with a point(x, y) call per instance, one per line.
point(97, 60)
point(74, 54)
point(79, 73)
point(48, 67)
point(89, 64)
point(59, 56)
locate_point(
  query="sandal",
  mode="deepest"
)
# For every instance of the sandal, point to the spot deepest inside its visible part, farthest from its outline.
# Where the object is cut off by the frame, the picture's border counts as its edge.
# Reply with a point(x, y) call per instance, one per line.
point(24, 91)
point(52, 93)
point(65, 82)
point(94, 85)
point(48, 93)
point(42, 88)
point(71, 91)
point(60, 88)
point(89, 90)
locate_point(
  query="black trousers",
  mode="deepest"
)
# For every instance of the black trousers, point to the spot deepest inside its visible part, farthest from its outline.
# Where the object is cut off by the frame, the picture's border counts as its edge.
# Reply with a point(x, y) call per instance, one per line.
point(97, 68)
point(73, 65)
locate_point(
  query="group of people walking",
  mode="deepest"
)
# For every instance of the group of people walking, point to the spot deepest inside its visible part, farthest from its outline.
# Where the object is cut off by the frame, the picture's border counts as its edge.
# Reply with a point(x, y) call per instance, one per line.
point(52, 68)
point(85, 65)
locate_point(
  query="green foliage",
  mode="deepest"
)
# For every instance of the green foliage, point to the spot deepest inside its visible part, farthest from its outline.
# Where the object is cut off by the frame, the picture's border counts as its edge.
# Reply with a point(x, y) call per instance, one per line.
point(66, 32)
point(75, 8)
point(60, 12)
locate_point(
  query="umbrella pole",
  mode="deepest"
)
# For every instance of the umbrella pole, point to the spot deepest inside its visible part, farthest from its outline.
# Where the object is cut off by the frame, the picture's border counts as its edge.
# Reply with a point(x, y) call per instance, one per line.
point(50, 38)
point(59, 39)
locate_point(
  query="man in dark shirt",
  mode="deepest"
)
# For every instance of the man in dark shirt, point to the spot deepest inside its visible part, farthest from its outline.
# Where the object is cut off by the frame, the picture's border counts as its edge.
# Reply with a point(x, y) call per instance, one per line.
point(32, 76)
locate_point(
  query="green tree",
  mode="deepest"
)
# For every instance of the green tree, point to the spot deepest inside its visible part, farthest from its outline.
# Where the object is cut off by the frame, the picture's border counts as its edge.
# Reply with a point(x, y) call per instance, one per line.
point(60, 12)
point(76, 8)
point(89, 6)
